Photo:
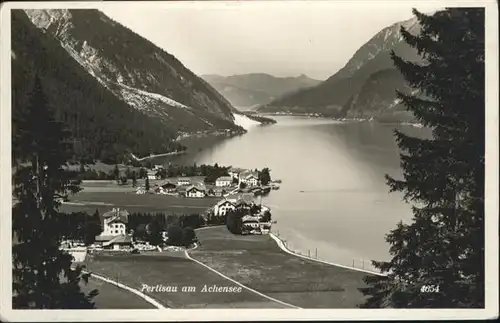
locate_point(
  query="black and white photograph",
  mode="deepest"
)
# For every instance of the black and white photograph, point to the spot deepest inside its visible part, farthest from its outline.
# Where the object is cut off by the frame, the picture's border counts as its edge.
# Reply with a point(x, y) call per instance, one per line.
point(249, 160)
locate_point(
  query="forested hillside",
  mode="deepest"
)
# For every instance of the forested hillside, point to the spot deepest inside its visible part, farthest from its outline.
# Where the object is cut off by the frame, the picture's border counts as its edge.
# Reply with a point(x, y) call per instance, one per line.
point(102, 126)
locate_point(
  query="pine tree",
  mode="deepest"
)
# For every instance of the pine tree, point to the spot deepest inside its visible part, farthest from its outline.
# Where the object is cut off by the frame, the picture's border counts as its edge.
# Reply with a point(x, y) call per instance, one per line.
point(155, 237)
point(134, 179)
point(443, 246)
point(116, 173)
point(92, 228)
point(82, 167)
point(42, 273)
point(264, 176)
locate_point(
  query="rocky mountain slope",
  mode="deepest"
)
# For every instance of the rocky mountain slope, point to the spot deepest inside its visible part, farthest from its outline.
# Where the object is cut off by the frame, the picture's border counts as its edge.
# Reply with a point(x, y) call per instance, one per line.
point(102, 125)
point(370, 69)
point(377, 99)
point(247, 91)
point(137, 72)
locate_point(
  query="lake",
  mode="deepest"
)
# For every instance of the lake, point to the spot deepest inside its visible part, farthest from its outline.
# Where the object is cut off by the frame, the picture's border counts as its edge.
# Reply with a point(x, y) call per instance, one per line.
point(334, 200)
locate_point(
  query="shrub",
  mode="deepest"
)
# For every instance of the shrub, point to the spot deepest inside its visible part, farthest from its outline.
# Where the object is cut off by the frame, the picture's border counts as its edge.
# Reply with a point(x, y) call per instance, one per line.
point(189, 236)
point(175, 235)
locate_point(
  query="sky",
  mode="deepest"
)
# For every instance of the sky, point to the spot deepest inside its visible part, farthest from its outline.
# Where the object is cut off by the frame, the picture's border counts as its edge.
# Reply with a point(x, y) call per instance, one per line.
point(280, 38)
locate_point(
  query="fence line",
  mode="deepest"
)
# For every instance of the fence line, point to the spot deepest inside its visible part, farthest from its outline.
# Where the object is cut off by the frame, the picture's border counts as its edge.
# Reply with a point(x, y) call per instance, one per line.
point(315, 253)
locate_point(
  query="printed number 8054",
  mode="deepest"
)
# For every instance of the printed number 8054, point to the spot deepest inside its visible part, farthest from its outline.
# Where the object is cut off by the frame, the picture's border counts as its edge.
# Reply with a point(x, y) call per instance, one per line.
point(429, 289)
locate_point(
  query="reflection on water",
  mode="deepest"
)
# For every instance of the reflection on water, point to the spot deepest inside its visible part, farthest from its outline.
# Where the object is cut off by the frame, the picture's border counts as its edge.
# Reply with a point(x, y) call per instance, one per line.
point(333, 196)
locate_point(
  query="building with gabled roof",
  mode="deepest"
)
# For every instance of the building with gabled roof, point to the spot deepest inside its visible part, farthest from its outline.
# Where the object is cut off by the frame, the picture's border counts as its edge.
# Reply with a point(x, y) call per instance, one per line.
point(183, 181)
point(195, 191)
point(223, 206)
point(223, 181)
point(119, 242)
point(250, 178)
point(114, 224)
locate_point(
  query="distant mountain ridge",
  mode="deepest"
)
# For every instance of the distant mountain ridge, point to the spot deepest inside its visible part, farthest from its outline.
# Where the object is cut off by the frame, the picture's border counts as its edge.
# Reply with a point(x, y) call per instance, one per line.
point(342, 95)
point(136, 71)
point(251, 90)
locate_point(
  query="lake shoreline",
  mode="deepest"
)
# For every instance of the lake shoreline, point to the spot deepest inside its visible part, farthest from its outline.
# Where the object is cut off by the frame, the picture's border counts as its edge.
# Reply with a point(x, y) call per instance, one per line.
point(347, 162)
point(267, 270)
point(343, 119)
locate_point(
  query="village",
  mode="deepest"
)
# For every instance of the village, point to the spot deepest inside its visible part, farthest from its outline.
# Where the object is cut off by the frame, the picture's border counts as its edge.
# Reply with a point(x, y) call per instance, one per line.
point(238, 180)
point(235, 206)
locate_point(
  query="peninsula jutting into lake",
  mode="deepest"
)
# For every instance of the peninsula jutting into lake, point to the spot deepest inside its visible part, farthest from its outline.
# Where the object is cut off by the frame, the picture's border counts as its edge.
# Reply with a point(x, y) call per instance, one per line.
point(169, 159)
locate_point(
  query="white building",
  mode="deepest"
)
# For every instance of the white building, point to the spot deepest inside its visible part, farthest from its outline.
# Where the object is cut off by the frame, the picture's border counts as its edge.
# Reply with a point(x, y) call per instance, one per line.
point(194, 191)
point(224, 181)
point(250, 179)
point(183, 181)
point(222, 207)
point(114, 222)
point(250, 222)
point(114, 235)
point(235, 172)
point(140, 190)
point(151, 174)
point(121, 242)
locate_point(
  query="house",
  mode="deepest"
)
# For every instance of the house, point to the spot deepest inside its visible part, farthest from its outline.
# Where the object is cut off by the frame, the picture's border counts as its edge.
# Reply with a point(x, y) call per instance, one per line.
point(140, 190)
point(251, 179)
point(114, 235)
point(224, 181)
point(222, 207)
point(121, 242)
point(219, 191)
point(235, 172)
point(151, 174)
point(250, 222)
point(242, 204)
point(183, 181)
point(194, 191)
point(114, 222)
point(181, 190)
point(166, 188)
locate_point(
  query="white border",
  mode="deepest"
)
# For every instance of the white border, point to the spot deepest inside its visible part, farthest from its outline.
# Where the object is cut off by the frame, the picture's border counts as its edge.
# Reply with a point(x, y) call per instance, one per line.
point(491, 205)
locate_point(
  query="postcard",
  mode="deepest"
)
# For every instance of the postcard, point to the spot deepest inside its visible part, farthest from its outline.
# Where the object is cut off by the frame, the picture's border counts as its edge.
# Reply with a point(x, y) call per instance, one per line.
point(249, 160)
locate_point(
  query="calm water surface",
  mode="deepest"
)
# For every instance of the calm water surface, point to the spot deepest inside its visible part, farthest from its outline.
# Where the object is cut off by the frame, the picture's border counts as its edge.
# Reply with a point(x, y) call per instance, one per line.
point(333, 197)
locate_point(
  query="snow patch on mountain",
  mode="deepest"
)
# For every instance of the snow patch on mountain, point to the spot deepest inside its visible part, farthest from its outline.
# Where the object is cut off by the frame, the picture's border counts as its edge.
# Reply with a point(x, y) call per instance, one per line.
point(155, 96)
point(139, 99)
point(154, 84)
point(244, 121)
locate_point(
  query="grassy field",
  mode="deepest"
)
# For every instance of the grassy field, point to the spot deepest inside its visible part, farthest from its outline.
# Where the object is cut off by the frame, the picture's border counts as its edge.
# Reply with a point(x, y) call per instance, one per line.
point(102, 167)
point(112, 297)
point(108, 186)
point(257, 262)
point(103, 201)
point(111, 185)
point(173, 269)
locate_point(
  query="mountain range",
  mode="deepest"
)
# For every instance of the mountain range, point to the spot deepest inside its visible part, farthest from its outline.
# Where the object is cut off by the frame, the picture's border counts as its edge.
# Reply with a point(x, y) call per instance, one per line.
point(364, 87)
point(116, 91)
point(247, 91)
